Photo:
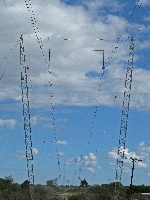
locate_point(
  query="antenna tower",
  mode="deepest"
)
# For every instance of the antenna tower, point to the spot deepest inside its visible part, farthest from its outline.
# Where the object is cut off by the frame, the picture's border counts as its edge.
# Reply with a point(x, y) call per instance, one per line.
point(124, 117)
point(26, 116)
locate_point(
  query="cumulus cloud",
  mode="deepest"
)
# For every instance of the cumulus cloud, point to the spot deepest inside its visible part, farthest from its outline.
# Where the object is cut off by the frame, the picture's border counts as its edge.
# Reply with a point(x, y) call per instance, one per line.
point(61, 142)
point(90, 160)
point(144, 151)
point(70, 161)
point(76, 23)
point(129, 156)
point(90, 169)
point(112, 154)
point(93, 161)
point(34, 151)
point(22, 155)
point(10, 123)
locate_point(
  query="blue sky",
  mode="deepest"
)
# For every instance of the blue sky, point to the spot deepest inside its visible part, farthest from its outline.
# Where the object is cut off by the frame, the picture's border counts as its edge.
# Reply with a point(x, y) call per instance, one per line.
point(82, 142)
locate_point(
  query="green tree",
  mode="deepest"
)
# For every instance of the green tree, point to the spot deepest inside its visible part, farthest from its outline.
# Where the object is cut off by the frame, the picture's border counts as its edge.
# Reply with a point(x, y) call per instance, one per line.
point(25, 185)
point(40, 192)
point(12, 191)
point(83, 183)
point(52, 183)
point(9, 179)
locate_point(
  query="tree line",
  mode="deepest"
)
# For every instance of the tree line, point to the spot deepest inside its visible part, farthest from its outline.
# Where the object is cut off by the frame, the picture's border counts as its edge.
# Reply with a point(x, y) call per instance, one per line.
point(52, 191)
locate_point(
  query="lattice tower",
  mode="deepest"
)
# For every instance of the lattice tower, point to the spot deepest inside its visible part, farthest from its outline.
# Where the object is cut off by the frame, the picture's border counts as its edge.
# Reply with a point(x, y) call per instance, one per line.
point(124, 116)
point(26, 116)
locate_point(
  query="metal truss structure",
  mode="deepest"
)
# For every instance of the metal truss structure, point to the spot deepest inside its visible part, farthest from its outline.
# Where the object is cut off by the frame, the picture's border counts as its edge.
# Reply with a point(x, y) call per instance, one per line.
point(124, 116)
point(26, 116)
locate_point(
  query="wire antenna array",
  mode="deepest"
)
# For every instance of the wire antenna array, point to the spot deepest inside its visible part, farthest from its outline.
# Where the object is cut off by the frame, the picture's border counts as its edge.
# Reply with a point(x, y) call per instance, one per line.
point(130, 21)
point(119, 40)
point(99, 90)
point(54, 127)
point(35, 28)
point(124, 116)
point(26, 116)
point(2, 75)
point(39, 39)
point(41, 46)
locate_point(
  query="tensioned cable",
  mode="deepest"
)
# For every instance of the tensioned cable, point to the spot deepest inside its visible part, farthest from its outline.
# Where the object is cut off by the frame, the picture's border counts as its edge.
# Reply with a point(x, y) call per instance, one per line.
point(36, 31)
point(119, 41)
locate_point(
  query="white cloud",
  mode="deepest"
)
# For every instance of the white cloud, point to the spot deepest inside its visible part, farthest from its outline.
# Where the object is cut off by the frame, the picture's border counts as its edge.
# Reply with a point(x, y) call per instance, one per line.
point(61, 142)
point(99, 167)
point(112, 154)
point(92, 157)
point(141, 165)
point(61, 153)
point(90, 160)
point(70, 161)
point(143, 2)
point(141, 144)
point(20, 151)
point(145, 149)
point(34, 120)
point(61, 22)
point(34, 151)
point(10, 123)
point(129, 156)
point(113, 164)
point(91, 169)
point(21, 157)
point(96, 4)
point(144, 152)
point(127, 170)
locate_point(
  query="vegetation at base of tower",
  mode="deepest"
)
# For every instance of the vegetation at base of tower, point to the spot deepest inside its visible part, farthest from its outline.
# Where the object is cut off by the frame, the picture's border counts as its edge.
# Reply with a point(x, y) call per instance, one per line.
point(52, 191)
point(12, 191)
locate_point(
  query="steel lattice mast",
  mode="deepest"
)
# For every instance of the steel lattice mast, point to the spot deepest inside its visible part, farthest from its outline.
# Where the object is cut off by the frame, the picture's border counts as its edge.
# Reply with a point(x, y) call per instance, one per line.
point(124, 117)
point(26, 116)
